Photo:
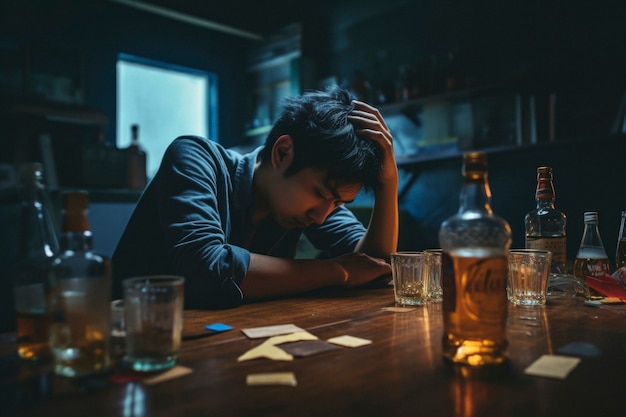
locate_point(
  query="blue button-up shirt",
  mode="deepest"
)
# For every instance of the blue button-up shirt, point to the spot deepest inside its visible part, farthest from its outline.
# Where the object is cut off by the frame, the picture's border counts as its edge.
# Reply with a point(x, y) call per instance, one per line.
point(195, 219)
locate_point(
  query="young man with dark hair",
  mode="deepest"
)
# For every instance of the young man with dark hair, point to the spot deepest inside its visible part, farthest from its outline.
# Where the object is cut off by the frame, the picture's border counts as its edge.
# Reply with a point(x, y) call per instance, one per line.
point(230, 223)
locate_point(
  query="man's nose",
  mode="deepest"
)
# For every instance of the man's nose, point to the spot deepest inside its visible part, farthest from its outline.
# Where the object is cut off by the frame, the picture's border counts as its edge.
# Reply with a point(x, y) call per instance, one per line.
point(319, 213)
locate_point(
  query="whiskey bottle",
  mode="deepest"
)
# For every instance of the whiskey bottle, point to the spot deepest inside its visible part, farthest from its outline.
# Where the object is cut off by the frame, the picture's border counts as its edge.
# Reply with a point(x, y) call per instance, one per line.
point(38, 244)
point(137, 158)
point(80, 282)
point(475, 243)
point(545, 225)
point(591, 259)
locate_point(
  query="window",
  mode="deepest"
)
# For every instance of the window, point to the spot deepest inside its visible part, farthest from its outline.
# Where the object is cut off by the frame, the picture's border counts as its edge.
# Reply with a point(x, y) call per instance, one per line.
point(166, 101)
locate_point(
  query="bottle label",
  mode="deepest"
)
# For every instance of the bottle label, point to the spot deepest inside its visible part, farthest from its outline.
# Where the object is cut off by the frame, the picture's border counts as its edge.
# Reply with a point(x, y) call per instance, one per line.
point(556, 245)
point(482, 282)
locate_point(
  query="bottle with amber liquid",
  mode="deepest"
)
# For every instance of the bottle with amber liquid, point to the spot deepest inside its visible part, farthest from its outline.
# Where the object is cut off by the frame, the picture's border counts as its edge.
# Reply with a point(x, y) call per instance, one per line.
point(545, 226)
point(38, 244)
point(80, 281)
point(137, 158)
point(475, 244)
point(591, 259)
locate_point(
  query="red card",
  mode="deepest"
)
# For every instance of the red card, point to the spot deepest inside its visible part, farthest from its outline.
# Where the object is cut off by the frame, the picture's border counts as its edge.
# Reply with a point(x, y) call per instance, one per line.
point(607, 285)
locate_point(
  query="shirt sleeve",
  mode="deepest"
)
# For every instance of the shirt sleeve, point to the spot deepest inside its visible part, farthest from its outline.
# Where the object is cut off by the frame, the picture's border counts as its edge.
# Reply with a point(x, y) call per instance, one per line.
point(339, 234)
point(193, 199)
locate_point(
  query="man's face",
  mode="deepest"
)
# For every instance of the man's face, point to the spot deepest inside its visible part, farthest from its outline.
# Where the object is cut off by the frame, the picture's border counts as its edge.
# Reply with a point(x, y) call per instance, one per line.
point(306, 198)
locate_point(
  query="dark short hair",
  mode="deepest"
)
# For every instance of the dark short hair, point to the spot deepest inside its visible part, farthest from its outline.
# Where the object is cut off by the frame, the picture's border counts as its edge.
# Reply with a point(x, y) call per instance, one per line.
point(323, 138)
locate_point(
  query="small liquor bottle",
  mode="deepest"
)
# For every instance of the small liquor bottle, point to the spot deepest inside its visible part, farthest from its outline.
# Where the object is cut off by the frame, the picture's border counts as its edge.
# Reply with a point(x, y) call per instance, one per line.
point(137, 177)
point(591, 259)
point(474, 271)
point(38, 245)
point(545, 225)
point(80, 297)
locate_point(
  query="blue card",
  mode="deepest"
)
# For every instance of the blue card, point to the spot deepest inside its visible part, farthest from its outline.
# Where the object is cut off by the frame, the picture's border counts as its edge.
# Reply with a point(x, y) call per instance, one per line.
point(218, 327)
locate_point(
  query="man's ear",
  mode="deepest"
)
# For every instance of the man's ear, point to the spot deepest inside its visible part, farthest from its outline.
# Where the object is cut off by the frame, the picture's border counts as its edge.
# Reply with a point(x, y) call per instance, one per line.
point(282, 153)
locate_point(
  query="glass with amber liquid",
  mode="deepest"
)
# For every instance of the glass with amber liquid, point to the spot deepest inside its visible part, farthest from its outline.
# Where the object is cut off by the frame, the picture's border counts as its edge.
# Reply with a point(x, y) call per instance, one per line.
point(80, 296)
point(475, 243)
point(38, 244)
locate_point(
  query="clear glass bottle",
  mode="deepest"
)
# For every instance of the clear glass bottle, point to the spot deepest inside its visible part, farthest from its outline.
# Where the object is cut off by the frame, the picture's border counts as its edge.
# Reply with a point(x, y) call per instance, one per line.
point(80, 296)
point(591, 259)
point(620, 252)
point(475, 243)
point(137, 158)
point(38, 244)
point(546, 226)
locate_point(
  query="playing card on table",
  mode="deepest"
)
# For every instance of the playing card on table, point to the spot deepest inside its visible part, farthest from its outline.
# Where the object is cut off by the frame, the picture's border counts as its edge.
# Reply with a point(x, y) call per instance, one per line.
point(267, 331)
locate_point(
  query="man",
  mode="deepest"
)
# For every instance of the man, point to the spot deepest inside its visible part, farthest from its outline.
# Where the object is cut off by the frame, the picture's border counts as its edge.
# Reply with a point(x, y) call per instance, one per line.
point(230, 223)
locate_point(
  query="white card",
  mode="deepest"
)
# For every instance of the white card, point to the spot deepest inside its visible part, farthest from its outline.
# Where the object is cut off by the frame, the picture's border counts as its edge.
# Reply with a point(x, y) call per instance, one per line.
point(552, 366)
point(267, 331)
point(349, 341)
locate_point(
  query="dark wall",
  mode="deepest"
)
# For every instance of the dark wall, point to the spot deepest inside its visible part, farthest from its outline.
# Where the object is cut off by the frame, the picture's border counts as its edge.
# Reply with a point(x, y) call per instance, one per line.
point(96, 31)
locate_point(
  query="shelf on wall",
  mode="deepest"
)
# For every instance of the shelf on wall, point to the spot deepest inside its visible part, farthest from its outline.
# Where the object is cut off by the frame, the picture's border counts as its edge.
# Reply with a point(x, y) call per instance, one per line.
point(62, 114)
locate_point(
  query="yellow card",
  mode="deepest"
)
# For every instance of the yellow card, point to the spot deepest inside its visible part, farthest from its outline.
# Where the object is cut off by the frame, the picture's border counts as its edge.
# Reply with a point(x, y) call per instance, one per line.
point(552, 366)
point(268, 349)
point(272, 378)
point(175, 372)
point(349, 341)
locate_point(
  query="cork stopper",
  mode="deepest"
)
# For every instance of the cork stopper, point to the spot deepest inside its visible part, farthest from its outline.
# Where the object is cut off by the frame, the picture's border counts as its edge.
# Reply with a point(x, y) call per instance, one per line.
point(591, 217)
point(475, 164)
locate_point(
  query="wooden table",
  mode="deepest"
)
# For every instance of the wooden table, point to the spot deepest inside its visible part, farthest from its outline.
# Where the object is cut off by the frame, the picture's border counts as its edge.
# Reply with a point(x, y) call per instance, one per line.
point(400, 373)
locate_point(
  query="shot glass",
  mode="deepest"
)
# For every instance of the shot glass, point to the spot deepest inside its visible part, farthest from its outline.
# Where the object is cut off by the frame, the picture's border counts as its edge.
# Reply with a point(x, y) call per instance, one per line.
point(410, 278)
point(529, 270)
point(153, 311)
point(118, 330)
point(433, 261)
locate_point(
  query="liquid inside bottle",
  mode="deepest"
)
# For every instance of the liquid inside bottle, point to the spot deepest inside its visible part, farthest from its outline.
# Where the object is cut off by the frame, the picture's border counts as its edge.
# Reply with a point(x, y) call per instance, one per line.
point(80, 296)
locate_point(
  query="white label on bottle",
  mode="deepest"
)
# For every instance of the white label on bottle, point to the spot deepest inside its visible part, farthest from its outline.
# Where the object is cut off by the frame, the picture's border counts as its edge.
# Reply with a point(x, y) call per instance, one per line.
point(556, 245)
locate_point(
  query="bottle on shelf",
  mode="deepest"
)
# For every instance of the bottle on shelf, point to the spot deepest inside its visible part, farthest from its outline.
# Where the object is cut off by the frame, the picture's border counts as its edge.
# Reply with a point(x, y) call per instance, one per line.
point(37, 247)
point(546, 225)
point(475, 244)
point(591, 259)
point(80, 282)
point(620, 252)
point(137, 159)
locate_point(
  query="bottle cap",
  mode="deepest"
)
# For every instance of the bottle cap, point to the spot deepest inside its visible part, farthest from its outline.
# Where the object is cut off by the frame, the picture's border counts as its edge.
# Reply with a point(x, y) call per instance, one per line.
point(591, 217)
point(474, 161)
point(545, 172)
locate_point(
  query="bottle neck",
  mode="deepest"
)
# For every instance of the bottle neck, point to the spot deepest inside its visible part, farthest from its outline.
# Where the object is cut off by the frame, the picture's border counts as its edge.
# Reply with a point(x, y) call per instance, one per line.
point(38, 237)
point(545, 193)
point(476, 194)
point(622, 228)
point(591, 236)
point(76, 241)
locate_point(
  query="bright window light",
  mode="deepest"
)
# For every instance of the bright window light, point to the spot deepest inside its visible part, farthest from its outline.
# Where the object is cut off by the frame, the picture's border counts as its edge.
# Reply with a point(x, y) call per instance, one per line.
point(166, 101)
